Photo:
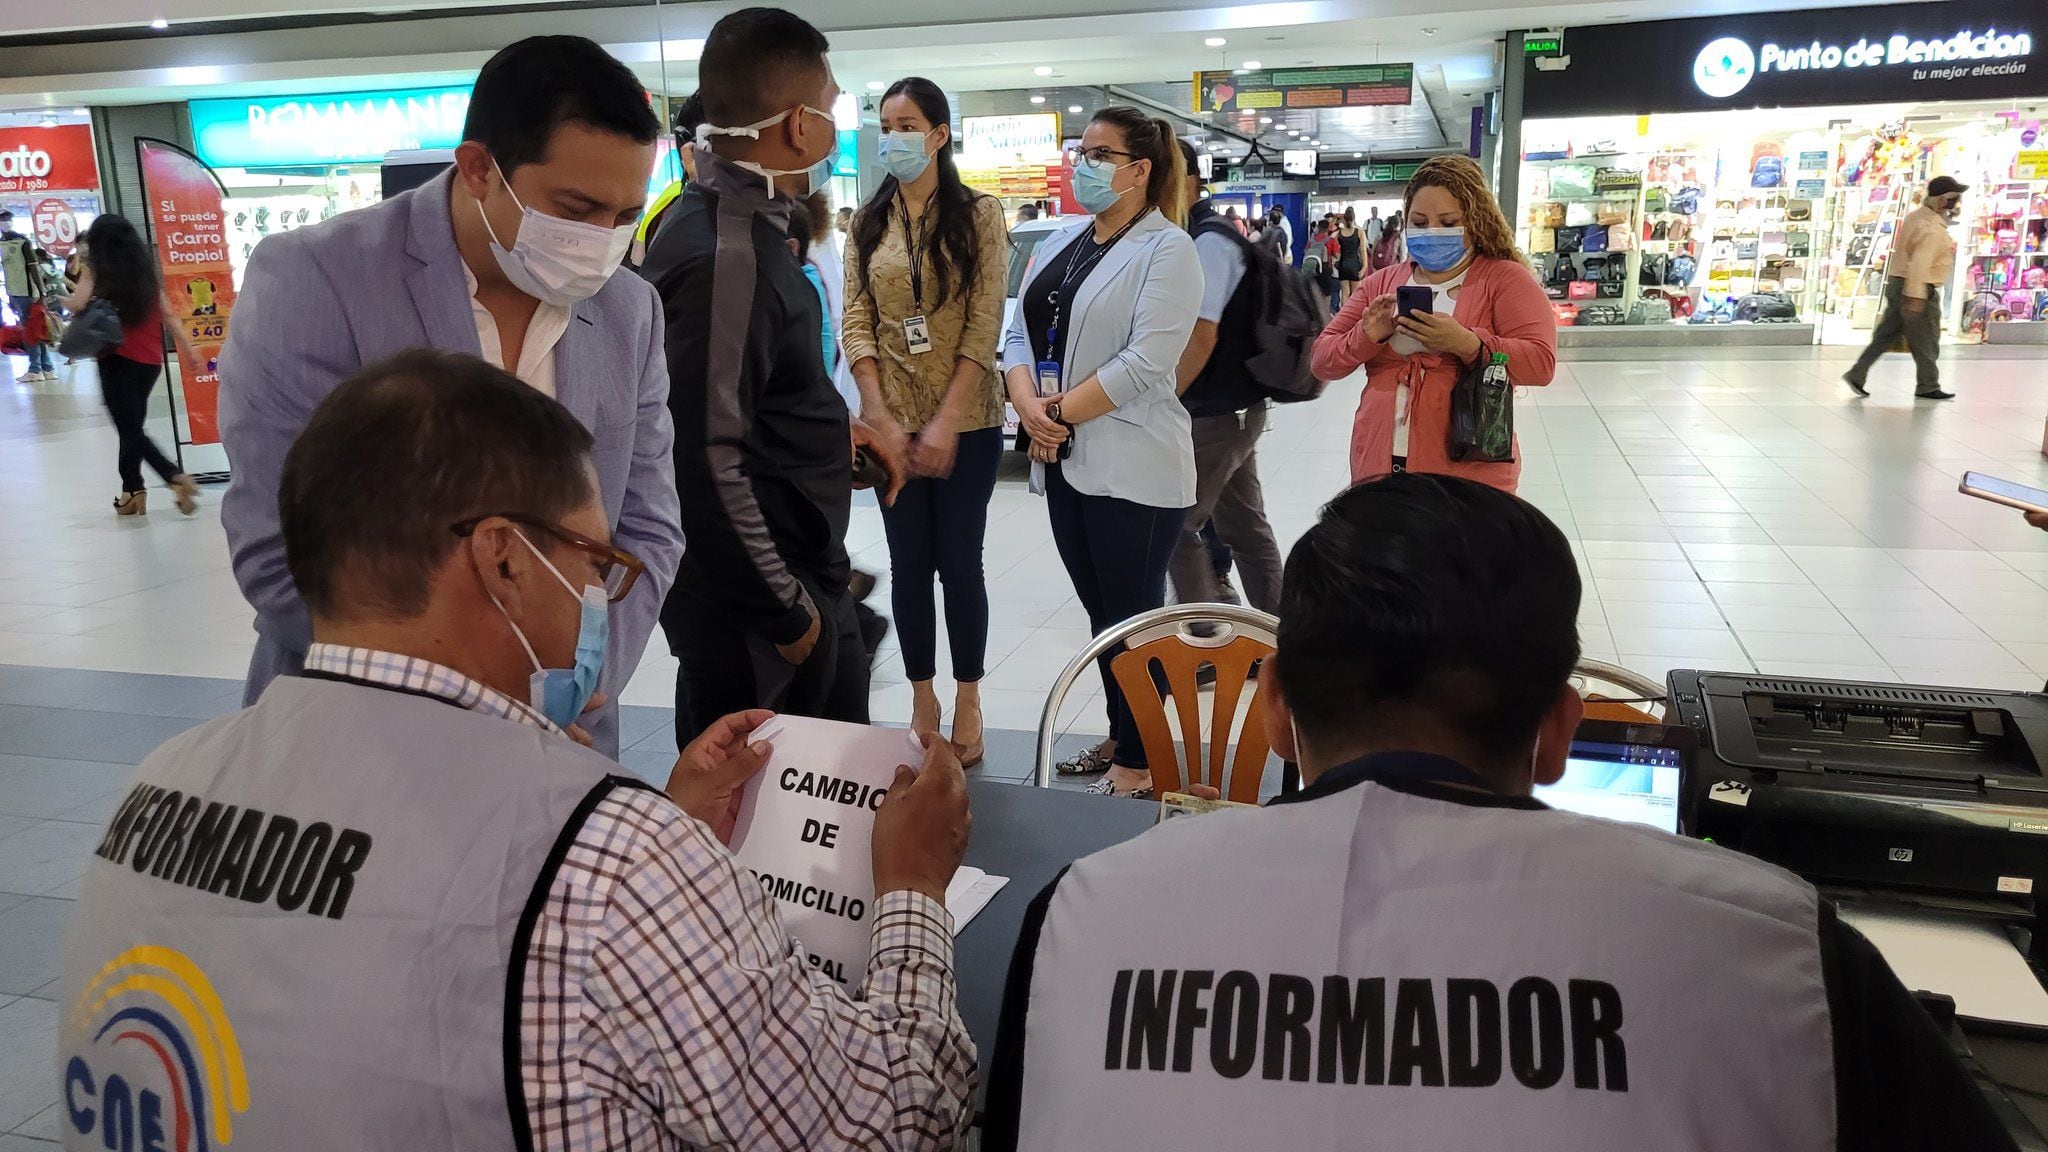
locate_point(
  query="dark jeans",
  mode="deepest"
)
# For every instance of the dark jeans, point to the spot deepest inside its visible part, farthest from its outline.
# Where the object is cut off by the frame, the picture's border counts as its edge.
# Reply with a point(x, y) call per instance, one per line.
point(935, 528)
point(728, 669)
point(1229, 499)
point(125, 387)
point(1116, 553)
point(1922, 332)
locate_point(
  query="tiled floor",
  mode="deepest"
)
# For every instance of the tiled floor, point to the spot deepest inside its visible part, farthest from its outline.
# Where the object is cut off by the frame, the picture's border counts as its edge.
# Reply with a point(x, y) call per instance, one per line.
point(1739, 513)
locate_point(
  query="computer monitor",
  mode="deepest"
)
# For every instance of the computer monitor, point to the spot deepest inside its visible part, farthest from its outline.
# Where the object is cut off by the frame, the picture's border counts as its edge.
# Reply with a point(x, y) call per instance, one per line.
point(1629, 772)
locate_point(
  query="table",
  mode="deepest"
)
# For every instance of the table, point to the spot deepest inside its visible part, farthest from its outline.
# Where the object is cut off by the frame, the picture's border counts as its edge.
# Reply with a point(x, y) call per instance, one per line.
point(1027, 834)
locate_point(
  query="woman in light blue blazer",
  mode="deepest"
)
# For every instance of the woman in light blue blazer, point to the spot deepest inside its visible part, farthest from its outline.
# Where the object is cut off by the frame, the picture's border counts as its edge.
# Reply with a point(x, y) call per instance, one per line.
point(1089, 361)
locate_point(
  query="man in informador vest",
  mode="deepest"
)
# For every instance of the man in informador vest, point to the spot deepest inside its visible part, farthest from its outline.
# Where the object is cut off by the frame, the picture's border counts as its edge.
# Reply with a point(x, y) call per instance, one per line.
point(393, 906)
point(1412, 952)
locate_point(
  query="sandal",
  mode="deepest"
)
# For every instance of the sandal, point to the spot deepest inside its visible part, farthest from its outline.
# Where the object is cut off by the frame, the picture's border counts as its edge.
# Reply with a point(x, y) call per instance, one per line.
point(1105, 788)
point(1086, 764)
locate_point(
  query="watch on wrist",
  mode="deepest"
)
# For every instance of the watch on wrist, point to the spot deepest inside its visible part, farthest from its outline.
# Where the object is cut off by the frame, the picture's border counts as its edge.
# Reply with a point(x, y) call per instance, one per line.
point(1052, 412)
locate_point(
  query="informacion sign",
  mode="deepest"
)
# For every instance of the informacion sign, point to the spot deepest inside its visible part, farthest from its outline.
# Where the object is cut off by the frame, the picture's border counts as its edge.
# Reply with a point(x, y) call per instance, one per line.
point(185, 214)
point(56, 229)
point(806, 832)
point(337, 128)
point(1359, 86)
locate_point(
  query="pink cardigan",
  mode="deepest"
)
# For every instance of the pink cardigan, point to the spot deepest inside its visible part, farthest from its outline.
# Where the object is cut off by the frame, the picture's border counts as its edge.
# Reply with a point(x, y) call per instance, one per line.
point(1501, 303)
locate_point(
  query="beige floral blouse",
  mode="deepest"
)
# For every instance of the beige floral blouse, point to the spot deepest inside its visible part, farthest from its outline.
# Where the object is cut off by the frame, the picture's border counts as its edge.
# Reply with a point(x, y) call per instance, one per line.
point(968, 324)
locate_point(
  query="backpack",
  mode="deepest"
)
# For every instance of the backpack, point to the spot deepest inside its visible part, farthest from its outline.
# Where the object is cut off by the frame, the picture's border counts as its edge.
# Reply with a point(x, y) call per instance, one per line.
point(1686, 202)
point(1768, 173)
point(1653, 270)
point(1287, 317)
point(1765, 306)
point(1681, 271)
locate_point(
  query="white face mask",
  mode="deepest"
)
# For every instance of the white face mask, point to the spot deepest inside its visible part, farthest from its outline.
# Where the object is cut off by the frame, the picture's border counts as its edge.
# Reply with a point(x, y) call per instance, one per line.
point(557, 261)
point(816, 176)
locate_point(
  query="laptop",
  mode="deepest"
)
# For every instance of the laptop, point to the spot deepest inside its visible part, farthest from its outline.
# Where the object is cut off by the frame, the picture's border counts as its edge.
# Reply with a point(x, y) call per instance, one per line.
point(1625, 771)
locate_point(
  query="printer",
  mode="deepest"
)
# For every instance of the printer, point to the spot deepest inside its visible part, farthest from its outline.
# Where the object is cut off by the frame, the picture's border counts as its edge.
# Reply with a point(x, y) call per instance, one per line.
point(1931, 793)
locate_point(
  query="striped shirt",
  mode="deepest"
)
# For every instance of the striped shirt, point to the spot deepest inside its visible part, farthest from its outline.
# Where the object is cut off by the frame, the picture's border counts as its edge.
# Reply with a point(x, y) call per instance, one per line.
point(665, 1007)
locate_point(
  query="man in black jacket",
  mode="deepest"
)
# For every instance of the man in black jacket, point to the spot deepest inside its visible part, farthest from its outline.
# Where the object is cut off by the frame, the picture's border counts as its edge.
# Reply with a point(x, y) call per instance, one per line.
point(1228, 411)
point(760, 616)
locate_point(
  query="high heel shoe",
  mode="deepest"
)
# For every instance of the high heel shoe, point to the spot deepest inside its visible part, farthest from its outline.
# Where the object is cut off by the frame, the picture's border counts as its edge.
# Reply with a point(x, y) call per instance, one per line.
point(131, 504)
point(970, 754)
point(185, 491)
point(922, 726)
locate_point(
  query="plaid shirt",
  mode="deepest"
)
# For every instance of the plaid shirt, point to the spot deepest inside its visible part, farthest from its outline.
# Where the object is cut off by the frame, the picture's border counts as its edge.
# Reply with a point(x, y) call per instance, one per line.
point(665, 1007)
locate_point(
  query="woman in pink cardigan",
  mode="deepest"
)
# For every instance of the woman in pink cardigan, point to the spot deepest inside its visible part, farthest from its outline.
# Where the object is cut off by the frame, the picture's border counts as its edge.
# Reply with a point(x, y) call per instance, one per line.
point(1487, 301)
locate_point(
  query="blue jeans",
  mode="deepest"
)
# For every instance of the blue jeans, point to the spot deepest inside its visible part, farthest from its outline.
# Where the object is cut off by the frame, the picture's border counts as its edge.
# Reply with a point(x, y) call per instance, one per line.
point(38, 354)
point(935, 529)
point(1116, 552)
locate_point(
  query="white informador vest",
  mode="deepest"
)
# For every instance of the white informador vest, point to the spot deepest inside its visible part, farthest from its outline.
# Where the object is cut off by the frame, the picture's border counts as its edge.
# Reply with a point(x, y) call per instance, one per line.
point(1380, 970)
point(301, 928)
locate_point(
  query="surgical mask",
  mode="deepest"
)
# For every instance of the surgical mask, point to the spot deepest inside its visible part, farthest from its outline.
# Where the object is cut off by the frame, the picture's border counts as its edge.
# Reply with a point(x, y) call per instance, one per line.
point(1435, 249)
point(903, 154)
point(1091, 184)
point(816, 176)
point(557, 261)
point(560, 693)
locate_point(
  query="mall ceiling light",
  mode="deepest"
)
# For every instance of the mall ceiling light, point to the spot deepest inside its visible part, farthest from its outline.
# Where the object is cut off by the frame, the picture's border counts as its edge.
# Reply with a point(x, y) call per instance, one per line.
point(1429, 31)
point(1252, 65)
point(1358, 155)
point(876, 85)
point(1038, 99)
point(1265, 119)
point(1073, 109)
point(159, 23)
point(1215, 42)
point(1042, 70)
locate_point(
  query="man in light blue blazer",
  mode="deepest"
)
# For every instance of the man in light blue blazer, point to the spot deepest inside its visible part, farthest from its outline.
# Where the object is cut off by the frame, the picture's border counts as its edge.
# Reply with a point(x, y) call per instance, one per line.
point(513, 256)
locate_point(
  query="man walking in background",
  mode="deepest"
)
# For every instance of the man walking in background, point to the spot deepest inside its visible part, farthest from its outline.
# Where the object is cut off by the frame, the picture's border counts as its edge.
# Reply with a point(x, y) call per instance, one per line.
point(21, 266)
point(513, 254)
point(1923, 259)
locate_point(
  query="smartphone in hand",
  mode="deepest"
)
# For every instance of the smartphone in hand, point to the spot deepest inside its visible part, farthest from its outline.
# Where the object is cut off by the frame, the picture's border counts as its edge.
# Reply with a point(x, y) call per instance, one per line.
point(1412, 298)
point(2004, 492)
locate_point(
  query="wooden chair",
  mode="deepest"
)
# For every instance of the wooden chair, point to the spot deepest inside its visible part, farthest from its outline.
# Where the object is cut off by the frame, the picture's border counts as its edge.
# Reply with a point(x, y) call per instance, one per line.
point(1157, 645)
point(1616, 693)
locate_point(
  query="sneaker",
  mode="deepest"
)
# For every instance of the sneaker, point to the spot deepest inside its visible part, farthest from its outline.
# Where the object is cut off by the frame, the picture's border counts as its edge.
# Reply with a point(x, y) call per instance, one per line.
point(1226, 592)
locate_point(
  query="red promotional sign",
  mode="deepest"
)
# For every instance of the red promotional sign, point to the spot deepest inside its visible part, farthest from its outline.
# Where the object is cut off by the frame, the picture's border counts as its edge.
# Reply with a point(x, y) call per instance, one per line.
point(56, 229)
point(57, 158)
point(199, 288)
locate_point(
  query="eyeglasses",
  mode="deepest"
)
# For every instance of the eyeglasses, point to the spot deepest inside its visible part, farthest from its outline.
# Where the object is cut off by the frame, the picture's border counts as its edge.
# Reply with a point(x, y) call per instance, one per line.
point(616, 569)
point(1099, 154)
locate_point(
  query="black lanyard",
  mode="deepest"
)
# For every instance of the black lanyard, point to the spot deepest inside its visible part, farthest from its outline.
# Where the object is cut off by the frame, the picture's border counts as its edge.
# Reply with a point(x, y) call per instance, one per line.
point(1073, 273)
point(914, 247)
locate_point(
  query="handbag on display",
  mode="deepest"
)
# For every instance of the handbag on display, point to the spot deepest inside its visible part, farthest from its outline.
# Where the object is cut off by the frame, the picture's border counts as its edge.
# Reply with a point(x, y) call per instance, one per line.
point(93, 331)
point(1542, 240)
point(1582, 290)
point(1655, 200)
point(1799, 244)
point(1653, 270)
point(1570, 180)
point(1687, 202)
point(1680, 303)
point(1650, 310)
point(1553, 215)
point(1565, 312)
point(1746, 248)
point(1799, 210)
point(1765, 307)
point(1620, 238)
point(1771, 244)
point(1600, 316)
point(1593, 238)
point(1578, 214)
point(1567, 240)
point(1679, 232)
point(1681, 272)
point(1610, 212)
point(1617, 180)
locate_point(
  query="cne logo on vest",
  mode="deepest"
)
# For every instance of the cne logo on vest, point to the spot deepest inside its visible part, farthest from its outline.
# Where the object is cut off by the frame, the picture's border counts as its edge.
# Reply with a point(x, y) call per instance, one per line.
point(162, 1070)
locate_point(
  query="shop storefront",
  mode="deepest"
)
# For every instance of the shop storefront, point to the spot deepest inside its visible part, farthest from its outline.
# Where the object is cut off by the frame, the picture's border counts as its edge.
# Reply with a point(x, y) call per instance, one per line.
point(1752, 169)
point(1017, 159)
point(291, 161)
point(50, 181)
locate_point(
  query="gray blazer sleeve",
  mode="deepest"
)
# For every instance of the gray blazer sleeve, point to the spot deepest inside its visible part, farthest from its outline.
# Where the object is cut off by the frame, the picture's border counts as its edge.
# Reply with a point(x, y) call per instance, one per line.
point(1168, 302)
point(288, 347)
point(650, 519)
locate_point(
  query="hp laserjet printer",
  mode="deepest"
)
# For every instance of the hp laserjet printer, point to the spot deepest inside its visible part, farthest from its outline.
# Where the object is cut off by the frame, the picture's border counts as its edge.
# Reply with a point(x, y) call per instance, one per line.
point(1935, 791)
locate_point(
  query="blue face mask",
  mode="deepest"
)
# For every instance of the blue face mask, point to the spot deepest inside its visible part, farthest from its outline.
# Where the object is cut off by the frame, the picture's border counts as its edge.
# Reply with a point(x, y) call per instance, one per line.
point(903, 155)
point(560, 693)
point(1435, 249)
point(1091, 184)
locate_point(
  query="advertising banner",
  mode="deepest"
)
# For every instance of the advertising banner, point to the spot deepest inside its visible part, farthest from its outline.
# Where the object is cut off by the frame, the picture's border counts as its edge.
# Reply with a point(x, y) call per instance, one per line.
point(55, 226)
point(1892, 53)
point(1359, 86)
point(185, 216)
point(337, 128)
point(56, 158)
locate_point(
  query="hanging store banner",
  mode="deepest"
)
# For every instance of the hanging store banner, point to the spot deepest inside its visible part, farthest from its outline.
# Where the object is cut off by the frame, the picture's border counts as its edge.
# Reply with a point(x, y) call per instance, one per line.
point(1891, 53)
point(337, 128)
point(186, 218)
point(48, 159)
point(1361, 86)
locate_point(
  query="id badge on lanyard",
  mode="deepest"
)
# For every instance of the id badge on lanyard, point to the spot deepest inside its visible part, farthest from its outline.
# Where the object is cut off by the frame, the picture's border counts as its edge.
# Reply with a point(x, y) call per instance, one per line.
point(1049, 370)
point(917, 334)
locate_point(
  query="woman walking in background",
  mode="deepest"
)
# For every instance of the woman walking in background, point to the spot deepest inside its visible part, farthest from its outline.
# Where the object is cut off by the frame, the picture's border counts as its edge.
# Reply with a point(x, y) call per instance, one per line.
point(1090, 359)
point(1486, 302)
point(926, 269)
point(118, 270)
point(1350, 254)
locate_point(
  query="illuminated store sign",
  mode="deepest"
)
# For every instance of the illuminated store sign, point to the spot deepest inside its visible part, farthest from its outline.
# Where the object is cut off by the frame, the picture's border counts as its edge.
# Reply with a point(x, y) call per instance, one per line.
point(341, 128)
